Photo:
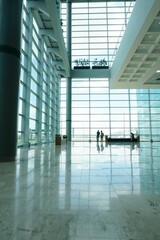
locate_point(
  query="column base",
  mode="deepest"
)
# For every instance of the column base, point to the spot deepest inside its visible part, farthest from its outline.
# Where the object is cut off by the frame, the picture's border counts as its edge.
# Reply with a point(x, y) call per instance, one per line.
point(7, 159)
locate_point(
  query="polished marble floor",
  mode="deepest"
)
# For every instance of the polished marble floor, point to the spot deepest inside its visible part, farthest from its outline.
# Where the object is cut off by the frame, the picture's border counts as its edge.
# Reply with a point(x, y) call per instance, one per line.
point(81, 191)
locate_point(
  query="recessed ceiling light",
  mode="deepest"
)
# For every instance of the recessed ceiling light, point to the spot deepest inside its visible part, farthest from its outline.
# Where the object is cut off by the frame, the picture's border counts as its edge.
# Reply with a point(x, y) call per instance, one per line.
point(158, 71)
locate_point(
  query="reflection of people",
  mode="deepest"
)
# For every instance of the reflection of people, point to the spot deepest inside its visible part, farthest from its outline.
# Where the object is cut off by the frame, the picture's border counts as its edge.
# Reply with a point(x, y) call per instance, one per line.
point(132, 146)
point(102, 135)
point(102, 147)
point(98, 147)
point(98, 134)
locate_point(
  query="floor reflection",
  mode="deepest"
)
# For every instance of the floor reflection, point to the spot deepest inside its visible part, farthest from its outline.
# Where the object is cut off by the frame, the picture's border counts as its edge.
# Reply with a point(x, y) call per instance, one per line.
point(81, 190)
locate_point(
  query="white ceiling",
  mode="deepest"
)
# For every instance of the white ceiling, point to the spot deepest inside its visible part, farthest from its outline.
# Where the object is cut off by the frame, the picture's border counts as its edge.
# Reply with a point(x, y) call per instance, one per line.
point(137, 63)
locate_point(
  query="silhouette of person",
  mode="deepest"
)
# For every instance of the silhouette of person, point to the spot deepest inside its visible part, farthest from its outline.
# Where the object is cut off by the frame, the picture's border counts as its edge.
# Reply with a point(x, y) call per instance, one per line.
point(98, 134)
point(102, 135)
point(132, 136)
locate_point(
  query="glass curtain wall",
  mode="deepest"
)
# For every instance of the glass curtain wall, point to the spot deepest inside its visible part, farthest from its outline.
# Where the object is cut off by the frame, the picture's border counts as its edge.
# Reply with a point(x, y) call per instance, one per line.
point(97, 29)
point(39, 93)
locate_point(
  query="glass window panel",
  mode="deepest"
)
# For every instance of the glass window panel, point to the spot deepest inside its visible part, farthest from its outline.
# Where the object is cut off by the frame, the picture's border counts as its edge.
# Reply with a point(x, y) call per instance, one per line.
point(23, 59)
point(79, 22)
point(94, 5)
point(97, 118)
point(43, 117)
point(119, 103)
point(20, 106)
point(80, 90)
point(143, 117)
point(19, 123)
point(33, 99)
point(117, 6)
point(119, 91)
point(33, 86)
point(63, 98)
point(97, 10)
point(117, 22)
point(98, 45)
point(117, 124)
point(133, 97)
point(98, 28)
point(103, 125)
point(156, 131)
point(21, 90)
point(32, 112)
point(22, 75)
point(143, 124)
point(79, 40)
point(80, 84)
point(133, 104)
point(77, 11)
point(99, 104)
point(155, 117)
point(97, 16)
point(154, 97)
point(80, 117)
point(113, 15)
point(79, 16)
point(78, 132)
point(143, 111)
point(99, 111)
point(80, 97)
point(80, 110)
point(35, 49)
point(44, 106)
point(114, 27)
point(119, 117)
point(155, 91)
point(103, 97)
point(80, 46)
point(143, 104)
point(99, 90)
point(144, 132)
point(142, 91)
point(43, 96)
point(98, 22)
point(79, 104)
point(142, 97)
point(155, 124)
point(32, 125)
point(155, 110)
point(155, 104)
point(82, 28)
point(98, 40)
point(80, 53)
point(119, 96)
point(80, 125)
point(98, 83)
point(119, 110)
point(34, 73)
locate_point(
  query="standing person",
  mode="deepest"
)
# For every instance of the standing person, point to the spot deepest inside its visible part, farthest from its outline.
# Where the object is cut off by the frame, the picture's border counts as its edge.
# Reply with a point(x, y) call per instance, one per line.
point(102, 135)
point(98, 134)
point(132, 136)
